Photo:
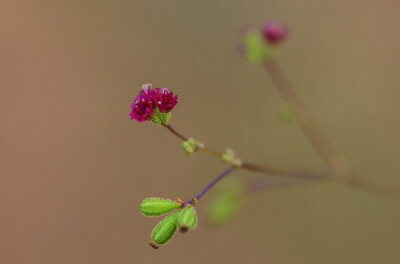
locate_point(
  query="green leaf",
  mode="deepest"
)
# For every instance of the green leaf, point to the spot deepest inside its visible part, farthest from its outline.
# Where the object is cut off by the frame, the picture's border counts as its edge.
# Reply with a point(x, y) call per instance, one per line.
point(165, 230)
point(158, 206)
point(187, 219)
point(227, 202)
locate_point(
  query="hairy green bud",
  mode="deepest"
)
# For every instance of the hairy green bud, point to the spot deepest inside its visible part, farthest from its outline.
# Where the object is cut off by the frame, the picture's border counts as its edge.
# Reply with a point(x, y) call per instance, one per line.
point(187, 219)
point(229, 157)
point(189, 146)
point(158, 206)
point(164, 231)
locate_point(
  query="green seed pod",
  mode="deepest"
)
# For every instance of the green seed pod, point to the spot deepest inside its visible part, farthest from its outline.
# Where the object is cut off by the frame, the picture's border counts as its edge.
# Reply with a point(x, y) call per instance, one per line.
point(187, 219)
point(158, 206)
point(164, 231)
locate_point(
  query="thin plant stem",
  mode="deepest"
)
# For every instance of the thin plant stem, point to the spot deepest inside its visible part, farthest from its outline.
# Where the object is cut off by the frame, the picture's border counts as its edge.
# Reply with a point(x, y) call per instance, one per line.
point(341, 172)
point(203, 148)
point(209, 186)
point(173, 131)
point(311, 130)
point(257, 168)
point(211, 152)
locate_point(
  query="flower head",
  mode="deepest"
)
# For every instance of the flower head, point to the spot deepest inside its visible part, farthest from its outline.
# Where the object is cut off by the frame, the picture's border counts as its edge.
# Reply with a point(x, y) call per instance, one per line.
point(274, 32)
point(151, 102)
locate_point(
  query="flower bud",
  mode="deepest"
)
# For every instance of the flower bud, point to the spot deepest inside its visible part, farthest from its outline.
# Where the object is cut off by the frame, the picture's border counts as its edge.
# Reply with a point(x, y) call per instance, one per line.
point(229, 157)
point(189, 146)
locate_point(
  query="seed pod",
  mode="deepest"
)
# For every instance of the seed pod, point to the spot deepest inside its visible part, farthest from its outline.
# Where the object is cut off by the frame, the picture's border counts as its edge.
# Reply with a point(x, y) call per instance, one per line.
point(164, 231)
point(187, 219)
point(158, 206)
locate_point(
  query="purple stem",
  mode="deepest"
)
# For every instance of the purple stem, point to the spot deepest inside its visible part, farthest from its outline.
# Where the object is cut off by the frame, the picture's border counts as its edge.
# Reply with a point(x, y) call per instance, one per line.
point(208, 187)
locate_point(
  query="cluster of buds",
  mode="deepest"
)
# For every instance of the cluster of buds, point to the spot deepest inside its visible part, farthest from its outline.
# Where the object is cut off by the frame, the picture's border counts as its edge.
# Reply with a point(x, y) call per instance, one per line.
point(153, 104)
point(181, 216)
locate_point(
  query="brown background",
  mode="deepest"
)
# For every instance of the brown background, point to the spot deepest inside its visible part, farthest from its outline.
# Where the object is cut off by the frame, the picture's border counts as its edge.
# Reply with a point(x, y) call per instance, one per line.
point(74, 168)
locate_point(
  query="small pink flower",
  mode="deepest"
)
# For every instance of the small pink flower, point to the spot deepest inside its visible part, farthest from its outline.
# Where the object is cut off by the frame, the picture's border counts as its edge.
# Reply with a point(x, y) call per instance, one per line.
point(274, 32)
point(166, 101)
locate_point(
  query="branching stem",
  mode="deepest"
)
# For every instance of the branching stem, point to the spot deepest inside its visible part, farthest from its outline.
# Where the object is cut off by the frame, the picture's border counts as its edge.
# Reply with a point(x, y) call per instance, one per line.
point(340, 172)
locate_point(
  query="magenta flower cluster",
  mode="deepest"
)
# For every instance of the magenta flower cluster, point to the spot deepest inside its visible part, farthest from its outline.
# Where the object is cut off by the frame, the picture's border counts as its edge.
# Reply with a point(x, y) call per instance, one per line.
point(150, 100)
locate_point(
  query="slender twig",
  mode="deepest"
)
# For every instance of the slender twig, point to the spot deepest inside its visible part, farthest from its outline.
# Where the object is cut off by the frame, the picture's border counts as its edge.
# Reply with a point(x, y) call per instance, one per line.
point(173, 131)
point(211, 152)
point(305, 175)
point(200, 148)
point(254, 186)
point(311, 130)
point(208, 187)
point(340, 171)
point(366, 185)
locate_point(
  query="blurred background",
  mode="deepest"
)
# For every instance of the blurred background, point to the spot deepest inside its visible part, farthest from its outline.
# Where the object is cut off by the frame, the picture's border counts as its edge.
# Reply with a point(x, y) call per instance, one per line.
point(74, 168)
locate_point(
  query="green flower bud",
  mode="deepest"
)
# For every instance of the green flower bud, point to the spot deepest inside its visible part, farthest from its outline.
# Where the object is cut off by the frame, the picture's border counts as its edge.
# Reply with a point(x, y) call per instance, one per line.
point(158, 206)
point(187, 219)
point(189, 146)
point(229, 157)
point(164, 231)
